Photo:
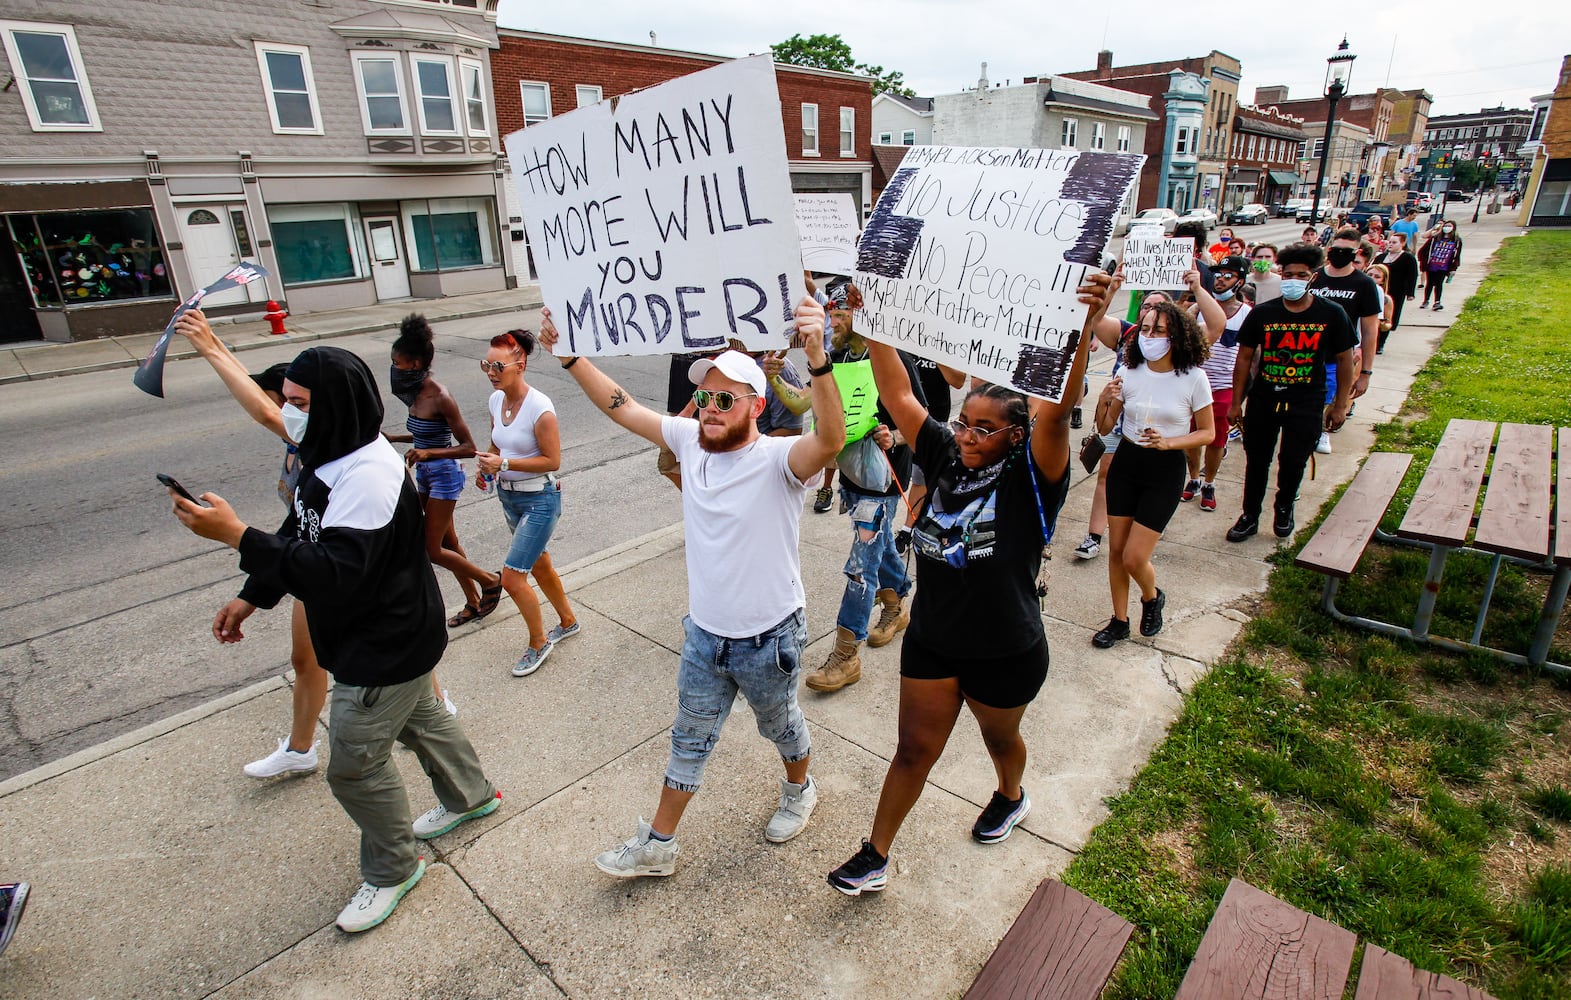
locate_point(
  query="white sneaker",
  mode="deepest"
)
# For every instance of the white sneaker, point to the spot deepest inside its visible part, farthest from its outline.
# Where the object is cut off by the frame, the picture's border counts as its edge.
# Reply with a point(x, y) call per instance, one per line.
point(642, 854)
point(796, 805)
point(447, 703)
point(283, 761)
point(1088, 549)
point(1324, 447)
point(438, 821)
point(371, 904)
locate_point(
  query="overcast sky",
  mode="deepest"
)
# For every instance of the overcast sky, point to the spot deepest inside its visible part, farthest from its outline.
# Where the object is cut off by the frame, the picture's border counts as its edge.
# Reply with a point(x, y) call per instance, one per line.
point(1465, 60)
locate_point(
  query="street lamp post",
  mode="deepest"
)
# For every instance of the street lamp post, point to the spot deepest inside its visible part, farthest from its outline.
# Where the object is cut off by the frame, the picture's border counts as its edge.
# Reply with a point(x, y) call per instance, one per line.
point(1339, 72)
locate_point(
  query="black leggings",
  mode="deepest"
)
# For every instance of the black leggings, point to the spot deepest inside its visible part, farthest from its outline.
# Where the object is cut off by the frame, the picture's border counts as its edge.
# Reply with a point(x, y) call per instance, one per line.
point(1434, 281)
point(1298, 425)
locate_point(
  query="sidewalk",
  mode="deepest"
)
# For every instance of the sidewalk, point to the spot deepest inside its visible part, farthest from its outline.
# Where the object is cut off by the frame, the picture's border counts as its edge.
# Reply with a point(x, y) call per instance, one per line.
point(158, 870)
point(21, 363)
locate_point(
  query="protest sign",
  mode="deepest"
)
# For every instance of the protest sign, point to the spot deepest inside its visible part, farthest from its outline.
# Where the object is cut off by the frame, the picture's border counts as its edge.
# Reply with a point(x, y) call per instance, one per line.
point(1157, 262)
point(827, 226)
point(972, 256)
point(662, 221)
point(149, 376)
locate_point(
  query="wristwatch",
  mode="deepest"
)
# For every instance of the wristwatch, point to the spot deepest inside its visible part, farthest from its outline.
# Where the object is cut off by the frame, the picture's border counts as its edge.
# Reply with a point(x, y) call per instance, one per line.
point(829, 366)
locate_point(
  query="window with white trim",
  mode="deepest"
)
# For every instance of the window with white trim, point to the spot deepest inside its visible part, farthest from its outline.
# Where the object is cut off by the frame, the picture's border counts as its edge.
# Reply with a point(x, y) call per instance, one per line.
point(317, 242)
point(380, 80)
point(47, 65)
point(847, 131)
point(809, 130)
point(537, 101)
point(885, 138)
point(1254, 141)
point(1069, 133)
point(588, 95)
point(434, 87)
point(445, 234)
point(473, 76)
point(291, 90)
point(908, 137)
point(1181, 140)
point(1123, 138)
point(1098, 135)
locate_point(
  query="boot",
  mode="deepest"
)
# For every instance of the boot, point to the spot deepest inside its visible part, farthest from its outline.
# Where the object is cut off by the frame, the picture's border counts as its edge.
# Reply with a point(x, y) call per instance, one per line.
point(843, 667)
point(891, 619)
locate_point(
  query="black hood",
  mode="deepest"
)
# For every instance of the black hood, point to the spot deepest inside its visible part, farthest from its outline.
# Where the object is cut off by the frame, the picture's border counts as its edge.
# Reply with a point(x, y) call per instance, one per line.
point(346, 406)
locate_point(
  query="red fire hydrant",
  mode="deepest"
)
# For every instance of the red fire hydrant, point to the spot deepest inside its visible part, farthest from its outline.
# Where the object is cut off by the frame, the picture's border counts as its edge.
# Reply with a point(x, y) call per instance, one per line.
point(275, 317)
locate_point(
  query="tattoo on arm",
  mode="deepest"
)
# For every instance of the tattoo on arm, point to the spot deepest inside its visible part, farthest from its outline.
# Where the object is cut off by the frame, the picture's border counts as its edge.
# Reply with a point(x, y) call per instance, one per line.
point(618, 399)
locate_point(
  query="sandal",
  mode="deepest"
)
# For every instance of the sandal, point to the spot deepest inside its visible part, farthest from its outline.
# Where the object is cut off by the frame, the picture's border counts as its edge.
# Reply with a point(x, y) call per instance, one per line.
point(489, 598)
point(465, 615)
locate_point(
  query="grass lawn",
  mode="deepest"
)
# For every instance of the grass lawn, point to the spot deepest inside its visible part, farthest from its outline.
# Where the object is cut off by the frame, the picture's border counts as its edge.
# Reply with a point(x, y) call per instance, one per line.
point(1421, 800)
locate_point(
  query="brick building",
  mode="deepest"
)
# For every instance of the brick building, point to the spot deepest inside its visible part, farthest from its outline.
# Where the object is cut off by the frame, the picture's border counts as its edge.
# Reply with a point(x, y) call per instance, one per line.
point(827, 116)
point(1548, 199)
point(1360, 144)
point(1497, 132)
point(349, 146)
point(1264, 157)
point(1409, 122)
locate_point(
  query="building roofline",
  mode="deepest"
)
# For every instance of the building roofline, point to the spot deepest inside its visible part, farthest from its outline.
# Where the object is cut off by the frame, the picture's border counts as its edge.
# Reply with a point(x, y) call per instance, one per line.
point(656, 50)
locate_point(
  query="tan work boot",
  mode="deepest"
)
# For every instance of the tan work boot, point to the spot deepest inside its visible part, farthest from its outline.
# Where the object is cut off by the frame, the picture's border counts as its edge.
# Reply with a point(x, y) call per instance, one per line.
point(891, 619)
point(843, 667)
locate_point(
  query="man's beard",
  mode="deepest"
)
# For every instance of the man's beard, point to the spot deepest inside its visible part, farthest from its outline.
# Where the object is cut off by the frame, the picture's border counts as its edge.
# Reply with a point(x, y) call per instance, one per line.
point(722, 437)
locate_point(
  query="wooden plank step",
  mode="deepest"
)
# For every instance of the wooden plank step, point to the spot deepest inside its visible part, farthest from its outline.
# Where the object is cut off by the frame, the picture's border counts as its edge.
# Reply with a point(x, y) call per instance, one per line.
point(1258, 946)
point(1063, 946)
point(1344, 534)
point(1563, 499)
point(1442, 509)
point(1385, 976)
point(1515, 516)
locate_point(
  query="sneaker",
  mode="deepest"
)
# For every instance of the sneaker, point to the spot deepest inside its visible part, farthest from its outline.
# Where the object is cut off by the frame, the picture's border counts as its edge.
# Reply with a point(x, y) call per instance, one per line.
point(1283, 524)
point(373, 904)
point(867, 871)
point(823, 500)
point(1000, 818)
point(1190, 489)
point(1235, 433)
point(439, 821)
point(1076, 418)
point(1207, 496)
point(447, 703)
point(1089, 548)
point(1324, 445)
point(1114, 631)
point(641, 855)
point(13, 900)
point(1243, 528)
point(796, 805)
point(1151, 614)
point(531, 660)
point(558, 633)
point(283, 761)
point(1438, 307)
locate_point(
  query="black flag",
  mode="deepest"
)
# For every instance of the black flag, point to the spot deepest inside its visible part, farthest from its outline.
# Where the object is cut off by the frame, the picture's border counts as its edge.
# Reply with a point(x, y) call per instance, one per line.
point(149, 375)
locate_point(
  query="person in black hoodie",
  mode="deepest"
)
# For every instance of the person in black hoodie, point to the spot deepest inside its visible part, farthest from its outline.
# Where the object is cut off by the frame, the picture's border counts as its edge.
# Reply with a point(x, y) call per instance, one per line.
point(353, 550)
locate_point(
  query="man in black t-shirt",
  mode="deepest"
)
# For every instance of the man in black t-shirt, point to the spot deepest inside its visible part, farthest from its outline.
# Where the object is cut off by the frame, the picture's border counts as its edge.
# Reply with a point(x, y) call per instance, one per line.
point(1341, 281)
point(1297, 337)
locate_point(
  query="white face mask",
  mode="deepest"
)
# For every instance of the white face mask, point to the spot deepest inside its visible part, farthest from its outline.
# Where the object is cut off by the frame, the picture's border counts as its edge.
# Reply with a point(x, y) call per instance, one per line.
point(294, 422)
point(1154, 348)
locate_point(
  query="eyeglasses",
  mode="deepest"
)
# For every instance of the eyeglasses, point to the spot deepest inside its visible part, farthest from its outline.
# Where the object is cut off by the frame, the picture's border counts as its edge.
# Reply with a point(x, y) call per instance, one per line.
point(498, 367)
point(961, 428)
point(723, 400)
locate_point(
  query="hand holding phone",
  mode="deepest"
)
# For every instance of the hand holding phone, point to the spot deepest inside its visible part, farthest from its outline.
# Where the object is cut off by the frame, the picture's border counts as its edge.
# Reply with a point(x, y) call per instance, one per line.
point(173, 484)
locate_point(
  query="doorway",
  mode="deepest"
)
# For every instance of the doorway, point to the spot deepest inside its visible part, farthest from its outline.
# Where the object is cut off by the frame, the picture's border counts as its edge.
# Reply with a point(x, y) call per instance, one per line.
point(387, 258)
point(216, 239)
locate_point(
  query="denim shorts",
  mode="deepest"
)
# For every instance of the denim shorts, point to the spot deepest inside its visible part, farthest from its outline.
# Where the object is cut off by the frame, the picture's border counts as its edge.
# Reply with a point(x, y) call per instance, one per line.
point(440, 479)
point(532, 517)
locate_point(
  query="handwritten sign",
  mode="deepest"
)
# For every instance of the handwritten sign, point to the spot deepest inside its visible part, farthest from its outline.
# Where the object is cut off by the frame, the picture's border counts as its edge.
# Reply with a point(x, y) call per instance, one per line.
point(828, 229)
point(662, 221)
point(1157, 262)
point(972, 256)
point(149, 375)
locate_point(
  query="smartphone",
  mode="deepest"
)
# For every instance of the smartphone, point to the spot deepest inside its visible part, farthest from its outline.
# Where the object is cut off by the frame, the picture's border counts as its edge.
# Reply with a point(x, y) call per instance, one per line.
point(172, 483)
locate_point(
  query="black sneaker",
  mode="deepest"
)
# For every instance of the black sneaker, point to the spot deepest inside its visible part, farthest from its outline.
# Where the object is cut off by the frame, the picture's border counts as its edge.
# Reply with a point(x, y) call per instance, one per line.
point(1115, 631)
point(1283, 524)
point(1243, 528)
point(1075, 419)
point(823, 500)
point(13, 900)
point(1151, 613)
point(1000, 818)
point(867, 871)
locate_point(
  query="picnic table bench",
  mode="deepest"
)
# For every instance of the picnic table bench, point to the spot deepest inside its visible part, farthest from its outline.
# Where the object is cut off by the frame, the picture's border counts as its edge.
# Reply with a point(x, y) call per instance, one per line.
point(1525, 518)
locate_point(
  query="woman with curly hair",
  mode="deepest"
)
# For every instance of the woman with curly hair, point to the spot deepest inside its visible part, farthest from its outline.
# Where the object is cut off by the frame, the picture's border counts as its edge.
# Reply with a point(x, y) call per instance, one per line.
point(1161, 393)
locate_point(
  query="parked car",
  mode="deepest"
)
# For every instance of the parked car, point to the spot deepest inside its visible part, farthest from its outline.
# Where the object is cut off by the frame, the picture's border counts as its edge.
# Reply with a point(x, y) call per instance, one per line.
point(1452, 194)
point(1252, 214)
point(1289, 208)
point(1204, 216)
point(1165, 217)
point(1327, 209)
point(1421, 200)
point(1360, 214)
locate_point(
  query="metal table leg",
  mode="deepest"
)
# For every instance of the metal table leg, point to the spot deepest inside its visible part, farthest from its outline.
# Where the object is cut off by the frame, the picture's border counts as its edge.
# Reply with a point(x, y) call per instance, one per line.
point(1554, 604)
point(1483, 605)
point(1431, 591)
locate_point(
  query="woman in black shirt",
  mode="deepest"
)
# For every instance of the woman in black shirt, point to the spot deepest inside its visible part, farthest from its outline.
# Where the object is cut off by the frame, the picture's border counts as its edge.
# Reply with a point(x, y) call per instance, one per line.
point(996, 479)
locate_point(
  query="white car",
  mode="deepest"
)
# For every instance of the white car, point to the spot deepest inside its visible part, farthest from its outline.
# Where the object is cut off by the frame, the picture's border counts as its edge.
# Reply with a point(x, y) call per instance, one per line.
point(1252, 214)
point(1165, 217)
point(1204, 216)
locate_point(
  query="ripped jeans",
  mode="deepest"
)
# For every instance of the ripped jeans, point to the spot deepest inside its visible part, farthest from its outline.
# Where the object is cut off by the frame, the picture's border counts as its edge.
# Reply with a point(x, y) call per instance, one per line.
point(873, 564)
point(764, 667)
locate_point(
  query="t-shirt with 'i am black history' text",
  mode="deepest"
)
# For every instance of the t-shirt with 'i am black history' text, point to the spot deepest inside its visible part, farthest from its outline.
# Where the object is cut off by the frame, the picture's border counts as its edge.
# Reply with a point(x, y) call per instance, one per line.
point(1295, 348)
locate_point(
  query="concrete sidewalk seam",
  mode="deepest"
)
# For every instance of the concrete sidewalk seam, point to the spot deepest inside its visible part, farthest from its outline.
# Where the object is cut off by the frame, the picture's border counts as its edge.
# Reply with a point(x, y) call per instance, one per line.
point(544, 968)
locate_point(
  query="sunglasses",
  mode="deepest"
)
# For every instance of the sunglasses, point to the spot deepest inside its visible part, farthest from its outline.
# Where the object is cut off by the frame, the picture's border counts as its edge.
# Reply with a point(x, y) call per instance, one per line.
point(961, 428)
point(723, 400)
point(498, 367)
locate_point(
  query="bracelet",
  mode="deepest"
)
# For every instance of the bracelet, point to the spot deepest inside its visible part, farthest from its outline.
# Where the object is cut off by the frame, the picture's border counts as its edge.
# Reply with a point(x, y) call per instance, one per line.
point(829, 366)
point(1369, 371)
point(571, 363)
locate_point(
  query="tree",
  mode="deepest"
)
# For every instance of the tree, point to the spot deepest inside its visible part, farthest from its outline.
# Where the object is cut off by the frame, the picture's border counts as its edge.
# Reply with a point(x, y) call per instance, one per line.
point(1468, 175)
point(832, 53)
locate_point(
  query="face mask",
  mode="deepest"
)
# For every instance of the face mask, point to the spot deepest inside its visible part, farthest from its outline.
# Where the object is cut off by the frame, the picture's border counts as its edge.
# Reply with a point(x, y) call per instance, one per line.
point(1449, 230)
point(1261, 266)
point(1155, 348)
point(1223, 296)
point(406, 384)
point(294, 422)
point(1340, 256)
point(1294, 289)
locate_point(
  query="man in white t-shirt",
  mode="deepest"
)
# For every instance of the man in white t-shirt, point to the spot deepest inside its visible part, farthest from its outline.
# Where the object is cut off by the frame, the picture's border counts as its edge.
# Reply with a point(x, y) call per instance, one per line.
point(742, 496)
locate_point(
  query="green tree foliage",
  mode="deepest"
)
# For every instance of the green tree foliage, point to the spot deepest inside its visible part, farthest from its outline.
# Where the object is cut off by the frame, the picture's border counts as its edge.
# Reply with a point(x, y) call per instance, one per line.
point(1468, 175)
point(832, 53)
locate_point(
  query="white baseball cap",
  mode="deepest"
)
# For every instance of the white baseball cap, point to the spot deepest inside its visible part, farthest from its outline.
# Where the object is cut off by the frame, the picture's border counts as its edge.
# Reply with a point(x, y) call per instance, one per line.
point(734, 365)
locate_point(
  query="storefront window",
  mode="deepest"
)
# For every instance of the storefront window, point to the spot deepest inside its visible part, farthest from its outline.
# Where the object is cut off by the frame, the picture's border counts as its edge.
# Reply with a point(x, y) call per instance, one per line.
point(448, 233)
point(315, 242)
point(72, 258)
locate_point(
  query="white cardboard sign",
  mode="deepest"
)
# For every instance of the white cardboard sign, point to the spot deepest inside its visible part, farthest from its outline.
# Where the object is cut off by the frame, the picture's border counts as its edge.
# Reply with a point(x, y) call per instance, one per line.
point(662, 221)
point(1157, 262)
point(828, 228)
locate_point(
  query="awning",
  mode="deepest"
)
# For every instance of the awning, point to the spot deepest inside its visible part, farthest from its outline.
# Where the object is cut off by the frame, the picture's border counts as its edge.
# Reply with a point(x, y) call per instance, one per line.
point(1283, 178)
